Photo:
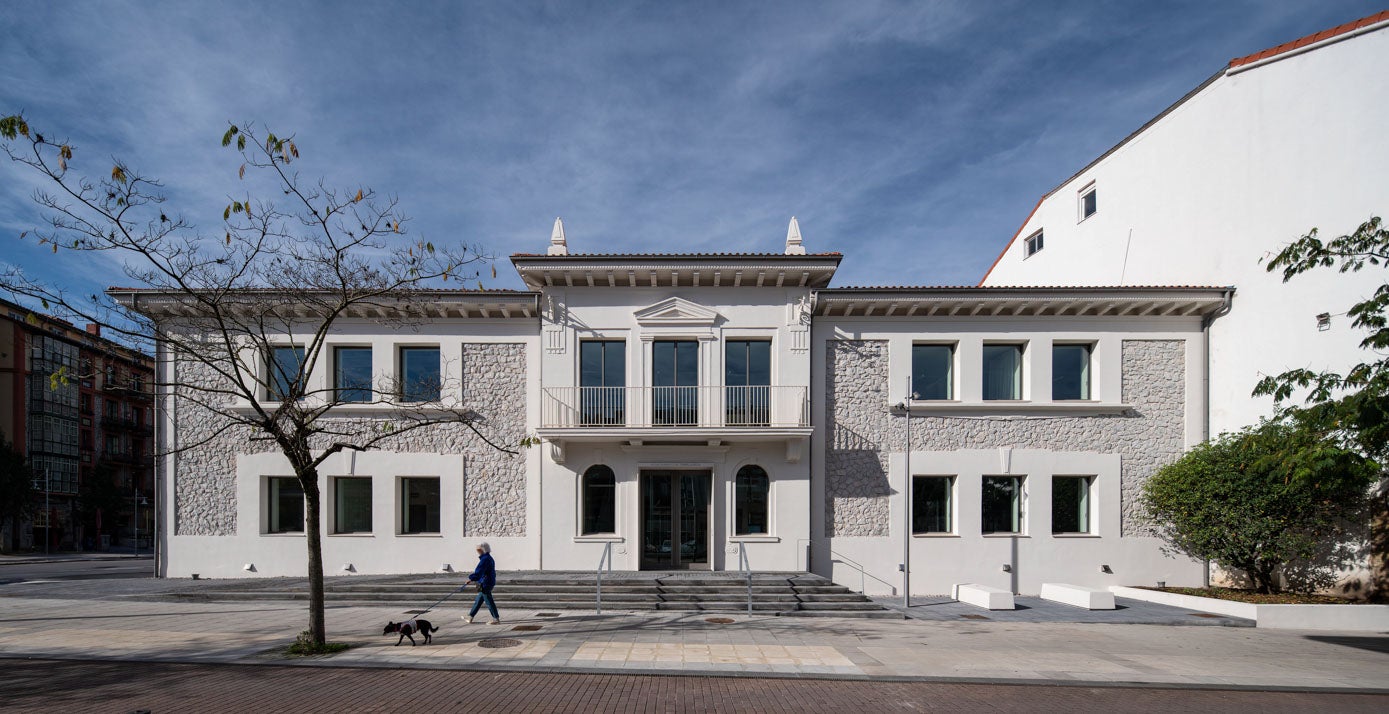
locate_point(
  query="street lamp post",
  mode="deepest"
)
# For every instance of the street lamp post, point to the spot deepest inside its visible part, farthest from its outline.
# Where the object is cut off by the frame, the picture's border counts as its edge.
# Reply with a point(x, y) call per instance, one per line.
point(138, 500)
point(906, 408)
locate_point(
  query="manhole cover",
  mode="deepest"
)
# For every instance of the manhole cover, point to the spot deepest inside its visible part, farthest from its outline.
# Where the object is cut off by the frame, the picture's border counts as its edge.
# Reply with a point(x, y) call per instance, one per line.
point(547, 614)
point(719, 620)
point(1202, 614)
point(974, 617)
point(497, 644)
point(526, 628)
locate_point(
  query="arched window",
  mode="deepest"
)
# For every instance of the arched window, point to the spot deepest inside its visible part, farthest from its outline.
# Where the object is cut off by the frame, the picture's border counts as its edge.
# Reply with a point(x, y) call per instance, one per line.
point(599, 500)
point(750, 501)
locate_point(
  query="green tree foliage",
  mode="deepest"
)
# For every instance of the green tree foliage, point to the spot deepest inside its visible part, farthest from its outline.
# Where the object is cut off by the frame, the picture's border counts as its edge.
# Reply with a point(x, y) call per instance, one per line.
point(1264, 498)
point(1351, 406)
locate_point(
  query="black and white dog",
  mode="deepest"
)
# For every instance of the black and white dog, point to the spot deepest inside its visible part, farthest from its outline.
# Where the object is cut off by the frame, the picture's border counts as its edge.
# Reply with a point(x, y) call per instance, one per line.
point(408, 628)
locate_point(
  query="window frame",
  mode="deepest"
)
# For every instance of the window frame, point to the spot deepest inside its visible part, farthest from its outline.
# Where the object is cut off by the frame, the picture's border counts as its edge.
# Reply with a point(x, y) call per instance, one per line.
point(950, 500)
point(339, 388)
point(1019, 382)
point(951, 371)
point(404, 504)
point(404, 393)
point(1019, 510)
point(1089, 191)
point(1087, 372)
point(273, 507)
point(273, 372)
point(742, 507)
point(337, 527)
point(590, 474)
point(1086, 511)
point(1033, 244)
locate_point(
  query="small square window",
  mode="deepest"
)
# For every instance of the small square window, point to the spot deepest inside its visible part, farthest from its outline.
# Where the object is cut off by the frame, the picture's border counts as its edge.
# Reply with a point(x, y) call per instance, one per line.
point(1034, 244)
point(285, 505)
point(1001, 502)
point(282, 371)
point(352, 374)
point(352, 505)
point(933, 371)
point(419, 505)
point(931, 504)
point(1002, 372)
point(419, 374)
point(1070, 372)
point(1070, 504)
point(1089, 202)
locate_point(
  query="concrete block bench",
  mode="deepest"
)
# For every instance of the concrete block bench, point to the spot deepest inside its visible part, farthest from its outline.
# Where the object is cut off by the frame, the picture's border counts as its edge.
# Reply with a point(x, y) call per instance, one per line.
point(1088, 598)
point(984, 596)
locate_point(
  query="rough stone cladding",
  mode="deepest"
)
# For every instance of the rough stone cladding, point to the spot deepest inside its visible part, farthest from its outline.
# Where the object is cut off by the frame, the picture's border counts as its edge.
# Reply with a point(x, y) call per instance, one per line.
point(494, 383)
point(861, 431)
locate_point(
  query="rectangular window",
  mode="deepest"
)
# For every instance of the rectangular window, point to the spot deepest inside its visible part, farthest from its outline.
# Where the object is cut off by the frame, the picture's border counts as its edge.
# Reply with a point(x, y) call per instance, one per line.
point(1002, 504)
point(419, 374)
point(747, 376)
point(1034, 243)
point(933, 371)
point(674, 382)
point(1089, 202)
point(1003, 371)
point(1070, 504)
point(1070, 372)
point(285, 505)
point(352, 374)
point(931, 505)
point(419, 501)
point(602, 382)
point(282, 371)
point(352, 505)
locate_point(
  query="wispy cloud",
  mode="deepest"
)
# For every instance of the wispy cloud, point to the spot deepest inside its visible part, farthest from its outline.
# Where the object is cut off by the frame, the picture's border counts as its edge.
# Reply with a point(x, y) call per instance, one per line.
point(911, 136)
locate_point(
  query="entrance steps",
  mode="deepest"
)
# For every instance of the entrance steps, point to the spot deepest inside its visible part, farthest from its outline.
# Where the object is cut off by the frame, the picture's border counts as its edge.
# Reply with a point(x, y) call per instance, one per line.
point(788, 594)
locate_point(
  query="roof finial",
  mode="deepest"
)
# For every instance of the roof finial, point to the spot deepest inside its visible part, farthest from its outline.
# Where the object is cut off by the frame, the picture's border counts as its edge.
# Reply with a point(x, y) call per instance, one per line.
point(557, 244)
point(793, 238)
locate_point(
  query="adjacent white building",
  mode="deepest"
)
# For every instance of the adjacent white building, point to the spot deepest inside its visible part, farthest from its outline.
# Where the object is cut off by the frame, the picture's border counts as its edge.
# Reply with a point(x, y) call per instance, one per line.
point(1269, 147)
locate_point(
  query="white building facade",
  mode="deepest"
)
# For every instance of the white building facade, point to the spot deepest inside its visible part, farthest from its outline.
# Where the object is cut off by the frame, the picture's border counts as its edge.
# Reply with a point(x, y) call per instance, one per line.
point(1268, 148)
point(695, 409)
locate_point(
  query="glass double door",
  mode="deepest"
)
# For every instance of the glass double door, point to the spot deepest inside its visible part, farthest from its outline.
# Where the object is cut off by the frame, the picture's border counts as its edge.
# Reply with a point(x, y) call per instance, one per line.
point(675, 520)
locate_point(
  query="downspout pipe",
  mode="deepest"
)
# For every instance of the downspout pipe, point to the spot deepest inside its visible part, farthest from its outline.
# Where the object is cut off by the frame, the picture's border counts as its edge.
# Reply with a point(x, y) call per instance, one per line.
point(1206, 323)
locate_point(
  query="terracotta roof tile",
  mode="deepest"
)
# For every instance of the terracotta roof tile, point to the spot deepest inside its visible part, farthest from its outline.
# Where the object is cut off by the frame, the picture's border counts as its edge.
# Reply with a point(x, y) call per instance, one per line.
point(1311, 39)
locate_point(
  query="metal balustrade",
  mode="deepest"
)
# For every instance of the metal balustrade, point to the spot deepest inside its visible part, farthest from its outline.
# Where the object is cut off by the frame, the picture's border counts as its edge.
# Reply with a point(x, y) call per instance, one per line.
point(707, 406)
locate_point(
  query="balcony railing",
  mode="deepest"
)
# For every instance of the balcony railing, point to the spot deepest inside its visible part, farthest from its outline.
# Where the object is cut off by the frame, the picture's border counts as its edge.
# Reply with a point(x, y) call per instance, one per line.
point(709, 406)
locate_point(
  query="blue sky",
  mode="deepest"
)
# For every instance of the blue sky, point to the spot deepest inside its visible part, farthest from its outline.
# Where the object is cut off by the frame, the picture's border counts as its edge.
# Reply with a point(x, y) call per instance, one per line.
point(914, 137)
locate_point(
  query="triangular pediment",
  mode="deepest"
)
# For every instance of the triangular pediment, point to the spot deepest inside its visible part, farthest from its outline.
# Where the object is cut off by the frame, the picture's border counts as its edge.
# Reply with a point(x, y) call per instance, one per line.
point(676, 311)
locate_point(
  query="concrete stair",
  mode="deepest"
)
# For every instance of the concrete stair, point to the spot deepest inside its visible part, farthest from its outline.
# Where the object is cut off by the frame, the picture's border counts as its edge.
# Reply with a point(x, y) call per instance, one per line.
point(788, 594)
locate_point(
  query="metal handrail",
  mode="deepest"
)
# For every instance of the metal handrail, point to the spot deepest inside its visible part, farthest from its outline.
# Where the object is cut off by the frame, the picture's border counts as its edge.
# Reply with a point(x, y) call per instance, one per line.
point(608, 559)
point(862, 573)
point(695, 406)
point(745, 565)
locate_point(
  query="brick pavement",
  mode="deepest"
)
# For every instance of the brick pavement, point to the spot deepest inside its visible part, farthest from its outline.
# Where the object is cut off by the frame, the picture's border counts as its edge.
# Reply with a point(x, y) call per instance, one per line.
point(68, 686)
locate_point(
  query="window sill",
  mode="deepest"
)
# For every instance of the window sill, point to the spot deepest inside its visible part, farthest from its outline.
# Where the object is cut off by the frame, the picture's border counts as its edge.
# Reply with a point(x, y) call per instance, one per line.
point(935, 535)
point(1003, 407)
point(599, 538)
point(754, 539)
point(419, 535)
point(351, 535)
point(1004, 535)
point(287, 534)
point(1074, 535)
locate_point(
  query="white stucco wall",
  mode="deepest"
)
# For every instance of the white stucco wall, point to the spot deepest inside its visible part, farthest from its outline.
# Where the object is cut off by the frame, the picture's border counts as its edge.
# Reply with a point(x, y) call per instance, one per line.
point(1250, 163)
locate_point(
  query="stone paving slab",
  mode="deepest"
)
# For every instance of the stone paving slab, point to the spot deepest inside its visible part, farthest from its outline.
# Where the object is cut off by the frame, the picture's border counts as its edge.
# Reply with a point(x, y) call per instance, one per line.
point(688, 643)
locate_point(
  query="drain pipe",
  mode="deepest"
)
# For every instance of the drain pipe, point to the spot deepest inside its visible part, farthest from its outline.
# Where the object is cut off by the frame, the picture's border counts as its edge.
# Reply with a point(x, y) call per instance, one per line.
point(1206, 323)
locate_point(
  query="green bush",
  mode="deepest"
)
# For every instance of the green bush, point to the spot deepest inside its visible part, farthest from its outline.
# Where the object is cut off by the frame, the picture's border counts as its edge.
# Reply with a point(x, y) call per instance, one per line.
point(1266, 502)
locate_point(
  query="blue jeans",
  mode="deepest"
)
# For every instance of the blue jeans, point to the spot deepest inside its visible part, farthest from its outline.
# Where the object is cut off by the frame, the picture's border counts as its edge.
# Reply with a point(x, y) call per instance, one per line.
point(485, 596)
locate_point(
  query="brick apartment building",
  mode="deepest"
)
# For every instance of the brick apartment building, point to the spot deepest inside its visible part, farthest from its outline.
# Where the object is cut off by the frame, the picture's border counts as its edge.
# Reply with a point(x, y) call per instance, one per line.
point(89, 441)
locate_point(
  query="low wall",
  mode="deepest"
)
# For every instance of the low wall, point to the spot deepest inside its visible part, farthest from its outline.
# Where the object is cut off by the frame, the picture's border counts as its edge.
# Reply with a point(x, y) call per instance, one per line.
point(1365, 618)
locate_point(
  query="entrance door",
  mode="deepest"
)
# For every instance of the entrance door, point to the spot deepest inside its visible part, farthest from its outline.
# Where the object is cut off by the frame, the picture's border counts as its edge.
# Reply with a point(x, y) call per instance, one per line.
point(675, 520)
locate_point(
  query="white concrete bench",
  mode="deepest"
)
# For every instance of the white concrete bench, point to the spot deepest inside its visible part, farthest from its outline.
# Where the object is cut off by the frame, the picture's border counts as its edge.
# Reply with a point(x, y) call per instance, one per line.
point(1088, 598)
point(983, 596)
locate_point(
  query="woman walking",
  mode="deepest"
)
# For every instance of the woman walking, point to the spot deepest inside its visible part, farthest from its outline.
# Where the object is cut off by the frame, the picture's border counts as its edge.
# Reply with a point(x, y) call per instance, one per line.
point(485, 575)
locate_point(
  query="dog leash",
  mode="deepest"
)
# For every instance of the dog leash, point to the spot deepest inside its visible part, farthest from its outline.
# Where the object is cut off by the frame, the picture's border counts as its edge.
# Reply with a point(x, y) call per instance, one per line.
point(440, 600)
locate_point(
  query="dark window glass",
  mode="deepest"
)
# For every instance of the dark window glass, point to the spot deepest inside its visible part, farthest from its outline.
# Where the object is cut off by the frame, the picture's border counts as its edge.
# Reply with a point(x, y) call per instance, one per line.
point(602, 382)
point(600, 500)
point(1089, 203)
point(1035, 242)
point(931, 504)
point(1070, 372)
point(419, 370)
point(1002, 504)
point(747, 378)
point(419, 498)
point(750, 501)
point(284, 364)
point(1070, 504)
point(352, 505)
point(286, 505)
point(352, 374)
point(674, 380)
point(1003, 371)
point(931, 371)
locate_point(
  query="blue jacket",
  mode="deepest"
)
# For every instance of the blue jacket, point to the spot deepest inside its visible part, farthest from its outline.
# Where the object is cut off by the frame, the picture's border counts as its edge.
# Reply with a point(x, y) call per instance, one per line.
point(486, 572)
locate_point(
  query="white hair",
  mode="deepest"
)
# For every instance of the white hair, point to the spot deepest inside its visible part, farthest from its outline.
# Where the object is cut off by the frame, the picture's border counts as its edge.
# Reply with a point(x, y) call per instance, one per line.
point(484, 547)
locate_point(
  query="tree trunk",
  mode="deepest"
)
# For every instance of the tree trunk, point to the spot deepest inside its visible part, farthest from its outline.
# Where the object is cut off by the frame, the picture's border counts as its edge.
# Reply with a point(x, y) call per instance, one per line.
point(308, 478)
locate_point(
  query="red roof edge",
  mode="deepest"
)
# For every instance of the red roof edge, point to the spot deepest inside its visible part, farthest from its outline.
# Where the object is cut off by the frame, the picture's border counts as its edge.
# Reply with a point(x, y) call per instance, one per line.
point(1014, 239)
point(1311, 39)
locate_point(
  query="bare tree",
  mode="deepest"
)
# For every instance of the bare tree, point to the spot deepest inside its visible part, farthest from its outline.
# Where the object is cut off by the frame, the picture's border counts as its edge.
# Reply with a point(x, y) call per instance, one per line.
point(243, 312)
